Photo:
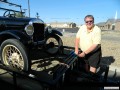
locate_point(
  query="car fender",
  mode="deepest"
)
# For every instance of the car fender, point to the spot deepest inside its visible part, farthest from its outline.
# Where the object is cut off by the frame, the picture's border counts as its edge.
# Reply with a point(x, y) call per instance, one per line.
point(14, 34)
point(57, 32)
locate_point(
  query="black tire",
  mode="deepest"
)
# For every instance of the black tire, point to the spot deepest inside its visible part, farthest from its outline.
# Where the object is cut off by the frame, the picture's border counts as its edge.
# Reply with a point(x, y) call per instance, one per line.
point(53, 47)
point(13, 54)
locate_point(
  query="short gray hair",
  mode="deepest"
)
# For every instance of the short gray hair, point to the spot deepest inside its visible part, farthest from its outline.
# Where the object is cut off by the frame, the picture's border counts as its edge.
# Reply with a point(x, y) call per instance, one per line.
point(91, 16)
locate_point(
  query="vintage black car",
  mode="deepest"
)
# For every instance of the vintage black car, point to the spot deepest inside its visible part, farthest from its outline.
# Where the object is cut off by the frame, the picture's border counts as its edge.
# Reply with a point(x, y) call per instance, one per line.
point(21, 35)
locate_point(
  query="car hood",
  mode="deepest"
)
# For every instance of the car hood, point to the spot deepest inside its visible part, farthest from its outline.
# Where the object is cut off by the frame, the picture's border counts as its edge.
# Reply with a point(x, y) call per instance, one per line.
point(5, 20)
point(17, 23)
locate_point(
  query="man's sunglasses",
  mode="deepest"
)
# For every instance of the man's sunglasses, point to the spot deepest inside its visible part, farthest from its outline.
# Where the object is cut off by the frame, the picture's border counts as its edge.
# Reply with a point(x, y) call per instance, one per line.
point(88, 21)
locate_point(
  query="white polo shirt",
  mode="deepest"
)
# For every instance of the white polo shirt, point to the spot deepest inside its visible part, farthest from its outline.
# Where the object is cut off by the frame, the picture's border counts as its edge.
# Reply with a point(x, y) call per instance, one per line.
point(87, 39)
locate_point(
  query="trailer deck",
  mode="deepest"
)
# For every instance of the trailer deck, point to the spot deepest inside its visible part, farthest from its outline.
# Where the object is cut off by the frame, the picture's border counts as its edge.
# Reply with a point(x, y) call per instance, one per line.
point(47, 70)
point(54, 71)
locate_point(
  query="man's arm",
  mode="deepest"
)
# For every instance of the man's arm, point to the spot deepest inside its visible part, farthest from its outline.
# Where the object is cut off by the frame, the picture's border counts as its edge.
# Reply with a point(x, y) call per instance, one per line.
point(92, 48)
point(77, 40)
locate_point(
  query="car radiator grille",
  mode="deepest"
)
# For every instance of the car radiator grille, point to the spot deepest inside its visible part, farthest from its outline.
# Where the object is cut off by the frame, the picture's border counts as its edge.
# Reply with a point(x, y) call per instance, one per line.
point(38, 32)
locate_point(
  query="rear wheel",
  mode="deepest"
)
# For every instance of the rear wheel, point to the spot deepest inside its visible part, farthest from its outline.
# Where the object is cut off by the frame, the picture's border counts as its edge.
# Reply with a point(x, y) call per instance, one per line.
point(53, 44)
point(13, 54)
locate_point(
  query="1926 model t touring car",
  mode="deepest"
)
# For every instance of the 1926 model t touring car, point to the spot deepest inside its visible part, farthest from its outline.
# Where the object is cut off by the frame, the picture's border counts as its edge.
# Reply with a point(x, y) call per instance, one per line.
point(19, 36)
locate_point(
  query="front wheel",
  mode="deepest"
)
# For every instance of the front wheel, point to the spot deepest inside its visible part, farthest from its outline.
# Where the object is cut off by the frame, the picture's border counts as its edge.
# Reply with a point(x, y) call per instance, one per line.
point(53, 44)
point(13, 54)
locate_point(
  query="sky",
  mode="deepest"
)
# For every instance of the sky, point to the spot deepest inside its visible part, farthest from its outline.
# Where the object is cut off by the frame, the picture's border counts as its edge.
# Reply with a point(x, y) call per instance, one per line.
point(70, 10)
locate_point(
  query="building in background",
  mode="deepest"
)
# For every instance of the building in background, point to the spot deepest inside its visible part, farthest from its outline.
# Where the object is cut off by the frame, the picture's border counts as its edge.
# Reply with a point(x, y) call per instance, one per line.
point(62, 24)
point(110, 24)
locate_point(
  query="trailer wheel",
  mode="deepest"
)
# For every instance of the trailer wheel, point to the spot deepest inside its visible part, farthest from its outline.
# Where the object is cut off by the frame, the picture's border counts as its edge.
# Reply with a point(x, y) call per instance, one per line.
point(13, 54)
point(53, 44)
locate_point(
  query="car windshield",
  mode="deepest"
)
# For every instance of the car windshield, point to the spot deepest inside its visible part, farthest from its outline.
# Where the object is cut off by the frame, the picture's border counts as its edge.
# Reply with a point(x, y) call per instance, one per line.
point(6, 6)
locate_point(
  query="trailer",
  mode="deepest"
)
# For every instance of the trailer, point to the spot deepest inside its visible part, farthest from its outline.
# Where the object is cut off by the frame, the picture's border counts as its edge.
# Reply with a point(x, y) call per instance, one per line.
point(67, 70)
point(49, 71)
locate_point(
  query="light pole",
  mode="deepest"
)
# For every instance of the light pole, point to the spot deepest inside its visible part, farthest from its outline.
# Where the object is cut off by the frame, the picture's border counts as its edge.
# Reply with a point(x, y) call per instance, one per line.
point(29, 7)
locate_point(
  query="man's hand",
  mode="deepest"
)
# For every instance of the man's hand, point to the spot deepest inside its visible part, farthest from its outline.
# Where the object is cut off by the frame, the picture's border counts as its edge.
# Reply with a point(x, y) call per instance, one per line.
point(81, 54)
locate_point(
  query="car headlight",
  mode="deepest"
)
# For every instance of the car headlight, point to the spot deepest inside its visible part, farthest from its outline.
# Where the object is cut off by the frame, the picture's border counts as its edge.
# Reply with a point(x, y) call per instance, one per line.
point(29, 29)
point(49, 29)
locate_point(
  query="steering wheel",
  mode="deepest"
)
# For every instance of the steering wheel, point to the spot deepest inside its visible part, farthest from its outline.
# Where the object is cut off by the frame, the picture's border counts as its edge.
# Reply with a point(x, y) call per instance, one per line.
point(9, 14)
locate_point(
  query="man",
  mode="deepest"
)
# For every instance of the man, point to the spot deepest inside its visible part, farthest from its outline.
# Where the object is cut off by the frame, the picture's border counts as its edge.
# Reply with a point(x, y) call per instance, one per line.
point(88, 38)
